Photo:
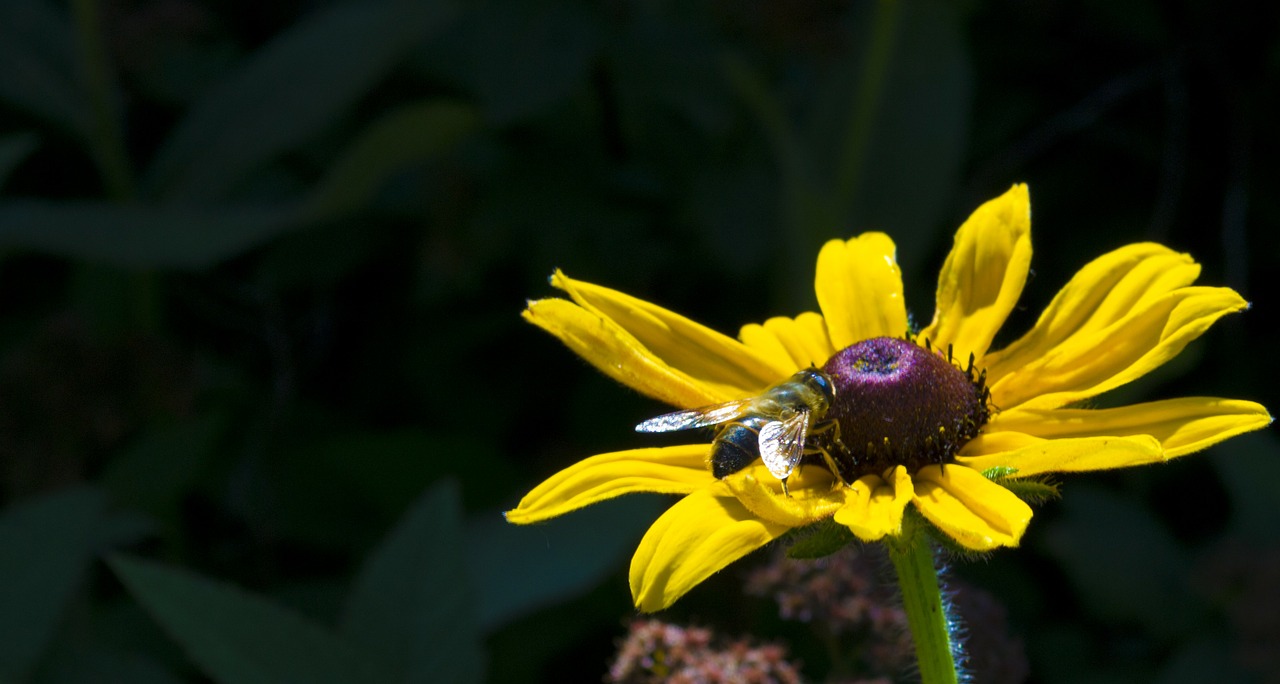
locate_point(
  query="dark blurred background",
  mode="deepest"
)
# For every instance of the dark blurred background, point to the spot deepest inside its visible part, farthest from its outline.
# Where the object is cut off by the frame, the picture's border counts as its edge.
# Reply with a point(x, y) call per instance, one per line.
point(264, 386)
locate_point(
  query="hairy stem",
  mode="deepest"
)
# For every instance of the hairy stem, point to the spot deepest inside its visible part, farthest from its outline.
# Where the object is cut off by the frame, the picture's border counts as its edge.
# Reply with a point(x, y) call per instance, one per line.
point(926, 613)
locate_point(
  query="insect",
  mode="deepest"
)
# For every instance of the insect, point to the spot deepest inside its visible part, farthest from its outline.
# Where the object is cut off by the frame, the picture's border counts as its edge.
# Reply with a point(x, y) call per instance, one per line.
point(772, 426)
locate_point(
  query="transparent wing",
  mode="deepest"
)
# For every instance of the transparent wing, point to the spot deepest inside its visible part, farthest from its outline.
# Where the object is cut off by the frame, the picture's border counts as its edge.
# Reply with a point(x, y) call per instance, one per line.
point(782, 443)
point(696, 418)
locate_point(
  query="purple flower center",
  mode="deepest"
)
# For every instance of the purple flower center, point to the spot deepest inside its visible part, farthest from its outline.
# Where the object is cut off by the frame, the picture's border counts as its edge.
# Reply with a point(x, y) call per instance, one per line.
point(900, 404)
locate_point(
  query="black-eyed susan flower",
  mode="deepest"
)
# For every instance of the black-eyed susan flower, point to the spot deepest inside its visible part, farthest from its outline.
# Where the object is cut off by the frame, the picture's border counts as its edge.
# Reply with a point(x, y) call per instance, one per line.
point(924, 417)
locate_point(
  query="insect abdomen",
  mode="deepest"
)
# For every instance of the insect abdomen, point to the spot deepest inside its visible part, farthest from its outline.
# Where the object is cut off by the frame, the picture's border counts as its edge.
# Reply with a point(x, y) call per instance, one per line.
point(736, 447)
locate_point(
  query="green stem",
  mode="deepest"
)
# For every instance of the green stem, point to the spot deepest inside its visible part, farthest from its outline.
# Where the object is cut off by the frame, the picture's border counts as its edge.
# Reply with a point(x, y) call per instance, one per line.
point(922, 599)
point(875, 64)
point(107, 147)
point(106, 140)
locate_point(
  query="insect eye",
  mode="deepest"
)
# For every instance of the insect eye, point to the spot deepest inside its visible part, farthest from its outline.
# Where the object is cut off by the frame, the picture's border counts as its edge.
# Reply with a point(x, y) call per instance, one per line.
point(823, 383)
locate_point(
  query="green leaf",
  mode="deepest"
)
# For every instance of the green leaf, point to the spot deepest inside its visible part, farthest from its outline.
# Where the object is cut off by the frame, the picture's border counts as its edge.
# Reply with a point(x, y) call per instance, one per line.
point(1033, 490)
point(122, 528)
point(40, 74)
point(46, 545)
point(330, 490)
point(139, 236)
point(407, 136)
point(155, 471)
point(14, 149)
point(821, 540)
point(412, 604)
point(522, 568)
point(546, 53)
point(1123, 562)
point(81, 663)
point(238, 638)
point(293, 89)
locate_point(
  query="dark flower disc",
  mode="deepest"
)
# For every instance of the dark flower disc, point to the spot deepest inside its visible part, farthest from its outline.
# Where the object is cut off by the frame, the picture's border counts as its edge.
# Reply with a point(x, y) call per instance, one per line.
point(900, 404)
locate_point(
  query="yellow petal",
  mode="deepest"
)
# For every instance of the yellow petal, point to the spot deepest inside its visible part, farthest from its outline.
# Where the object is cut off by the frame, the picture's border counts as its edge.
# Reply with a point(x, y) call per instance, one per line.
point(793, 343)
point(694, 539)
point(813, 494)
point(859, 288)
point(1093, 362)
point(1073, 454)
point(701, 353)
point(667, 470)
point(620, 356)
point(1183, 426)
point(873, 507)
point(983, 275)
point(1105, 291)
point(968, 507)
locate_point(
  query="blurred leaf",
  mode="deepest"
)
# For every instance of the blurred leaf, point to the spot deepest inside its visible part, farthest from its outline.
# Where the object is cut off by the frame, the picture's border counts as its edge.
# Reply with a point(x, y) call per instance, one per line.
point(521, 568)
point(37, 49)
point(288, 92)
point(1124, 563)
point(884, 145)
point(181, 67)
point(1249, 466)
point(155, 471)
point(546, 51)
point(1206, 659)
point(670, 72)
point(139, 236)
point(86, 663)
point(529, 649)
point(318, 599)
point(122, 528)
point(46, 545)
point(14, 149)
point(330, 491)
point(407, 136)
point(412, 604)
point(770, 114)
point(910, 167)
point(236, 637)
point(735, 209)
point(122, 625)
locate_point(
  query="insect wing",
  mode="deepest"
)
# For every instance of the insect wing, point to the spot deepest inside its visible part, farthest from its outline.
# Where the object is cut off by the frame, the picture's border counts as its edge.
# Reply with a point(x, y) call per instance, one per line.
point(695, 418)
point(782, 444)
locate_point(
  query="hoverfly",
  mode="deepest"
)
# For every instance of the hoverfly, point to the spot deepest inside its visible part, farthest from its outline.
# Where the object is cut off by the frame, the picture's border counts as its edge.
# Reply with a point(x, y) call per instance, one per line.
point(772, 426)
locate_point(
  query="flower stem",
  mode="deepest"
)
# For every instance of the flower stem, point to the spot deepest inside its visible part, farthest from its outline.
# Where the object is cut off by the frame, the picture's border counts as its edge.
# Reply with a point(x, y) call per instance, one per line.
point(106, 139)
point(913, 560)
point(866, 104)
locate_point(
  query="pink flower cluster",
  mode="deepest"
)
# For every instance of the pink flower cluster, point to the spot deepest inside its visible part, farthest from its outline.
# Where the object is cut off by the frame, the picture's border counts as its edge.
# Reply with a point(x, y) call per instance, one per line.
point(655, 651)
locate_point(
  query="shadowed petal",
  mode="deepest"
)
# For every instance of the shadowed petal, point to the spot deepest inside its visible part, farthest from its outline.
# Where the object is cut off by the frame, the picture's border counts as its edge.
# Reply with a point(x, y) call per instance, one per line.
point(971, 509)
point(795, 343)
point(813, 495)
point(983, 275)
point(668, 470)
point(1035, 455)
point(859, 288)
point(694, 539)
point(873, 507)
point(1087, 364)
point(1183, 426)
point(701, 353)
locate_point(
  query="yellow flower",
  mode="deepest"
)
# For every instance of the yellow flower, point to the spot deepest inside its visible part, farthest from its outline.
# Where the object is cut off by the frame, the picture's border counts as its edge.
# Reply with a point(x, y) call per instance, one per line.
point(1121, 316)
